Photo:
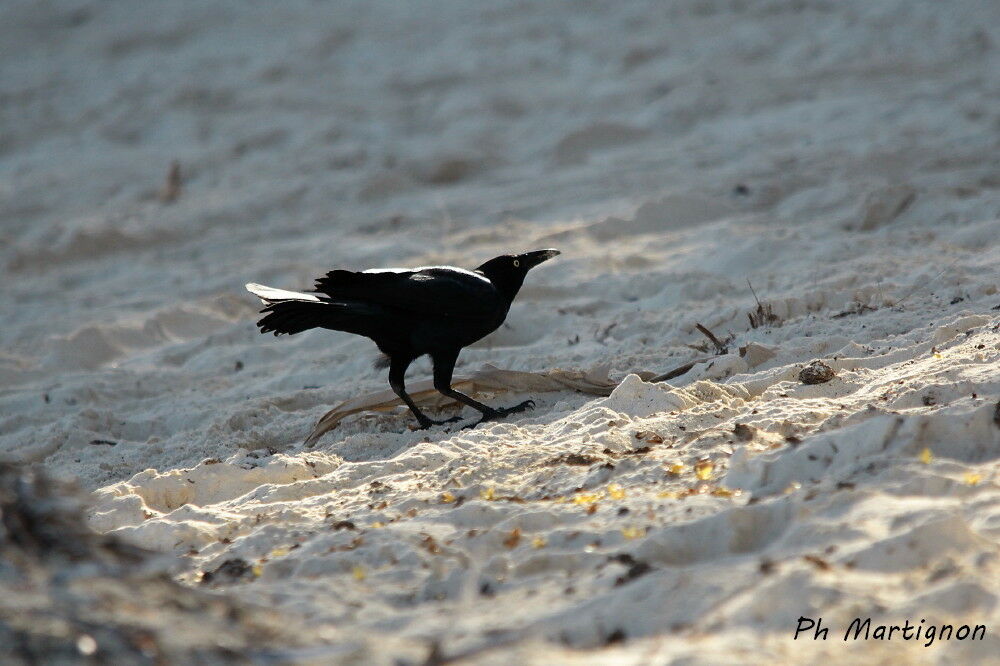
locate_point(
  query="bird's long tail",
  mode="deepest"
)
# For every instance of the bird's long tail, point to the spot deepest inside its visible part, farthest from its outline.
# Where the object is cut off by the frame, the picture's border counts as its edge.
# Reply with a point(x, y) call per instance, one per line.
point(288, 312)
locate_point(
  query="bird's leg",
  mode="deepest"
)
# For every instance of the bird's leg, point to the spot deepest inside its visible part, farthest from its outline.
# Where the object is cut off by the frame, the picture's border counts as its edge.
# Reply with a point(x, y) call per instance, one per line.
point(397, 369)
point(444, 367)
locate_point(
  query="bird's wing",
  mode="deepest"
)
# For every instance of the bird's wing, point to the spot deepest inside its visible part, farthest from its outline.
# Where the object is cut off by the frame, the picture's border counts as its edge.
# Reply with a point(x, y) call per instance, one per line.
point(435, 291)
point(271, 295)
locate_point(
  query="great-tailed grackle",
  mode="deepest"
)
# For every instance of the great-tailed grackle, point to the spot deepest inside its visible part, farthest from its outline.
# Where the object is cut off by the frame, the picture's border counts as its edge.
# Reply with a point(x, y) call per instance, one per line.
point(409, 312)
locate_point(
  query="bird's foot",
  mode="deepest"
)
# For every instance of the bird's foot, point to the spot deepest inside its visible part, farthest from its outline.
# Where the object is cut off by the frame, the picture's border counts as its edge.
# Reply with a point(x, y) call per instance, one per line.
point(524, 406)
point(426, 423)
point(496, 414)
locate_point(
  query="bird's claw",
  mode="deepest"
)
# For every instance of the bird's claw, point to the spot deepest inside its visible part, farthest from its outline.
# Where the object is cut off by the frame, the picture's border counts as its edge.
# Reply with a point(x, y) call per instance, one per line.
point(496, 414)
point(527, 404)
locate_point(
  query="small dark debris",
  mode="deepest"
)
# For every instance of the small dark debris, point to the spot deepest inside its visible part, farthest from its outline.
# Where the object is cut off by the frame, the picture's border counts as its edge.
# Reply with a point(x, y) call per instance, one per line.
point(47, 398)
point(104, 442)
point(793, 440)
point(928, 400)
point(858, 308)
point(238, 366)
point(435, 656)
point(763, 315)
point(845, 485)
point(635, 570)
point(641, 451)
point(816, 372)
point(720, 346)
point(623, 558)
point(616, 636)
point(487, 590)
point(741, 190)
point(229, 571)
point(996, 414)
point(744, 432)
point(573, 459)
point(817, 562)
point(602, 334)
point(623, 511)
point(344, 525)
point(171, 189)
point(957, 299)
point(943, 571)
point(766, 566)
point(649, 437)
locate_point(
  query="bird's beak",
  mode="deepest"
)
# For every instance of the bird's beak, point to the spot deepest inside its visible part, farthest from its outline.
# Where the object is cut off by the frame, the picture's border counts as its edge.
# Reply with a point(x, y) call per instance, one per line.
point(532, 259)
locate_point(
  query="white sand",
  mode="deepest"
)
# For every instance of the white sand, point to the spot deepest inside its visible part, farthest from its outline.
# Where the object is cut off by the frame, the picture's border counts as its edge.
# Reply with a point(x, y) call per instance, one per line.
point(843, 156)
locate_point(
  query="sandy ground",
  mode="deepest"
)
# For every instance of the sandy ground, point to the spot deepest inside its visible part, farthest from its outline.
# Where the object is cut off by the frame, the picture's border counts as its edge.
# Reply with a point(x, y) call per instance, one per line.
point(844, 157)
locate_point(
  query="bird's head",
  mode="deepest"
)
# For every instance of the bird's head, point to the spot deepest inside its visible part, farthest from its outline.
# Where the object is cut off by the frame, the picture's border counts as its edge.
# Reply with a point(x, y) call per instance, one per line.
point(508, 270)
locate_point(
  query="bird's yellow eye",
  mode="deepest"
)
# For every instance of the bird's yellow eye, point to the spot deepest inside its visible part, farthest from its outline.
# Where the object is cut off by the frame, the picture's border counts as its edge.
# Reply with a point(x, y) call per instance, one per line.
point(516, 263)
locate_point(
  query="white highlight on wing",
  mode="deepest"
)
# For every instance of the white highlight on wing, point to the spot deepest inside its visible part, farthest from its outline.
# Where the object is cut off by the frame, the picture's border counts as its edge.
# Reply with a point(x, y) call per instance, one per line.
point(424, 268)
point(270, 294)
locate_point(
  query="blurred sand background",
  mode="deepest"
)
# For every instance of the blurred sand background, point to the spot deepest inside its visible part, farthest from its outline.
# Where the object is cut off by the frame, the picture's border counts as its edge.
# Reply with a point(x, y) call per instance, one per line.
point(844, 157)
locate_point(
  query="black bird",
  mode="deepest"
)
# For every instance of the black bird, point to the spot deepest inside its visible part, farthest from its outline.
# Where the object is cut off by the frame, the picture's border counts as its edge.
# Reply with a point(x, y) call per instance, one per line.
point(409, 312)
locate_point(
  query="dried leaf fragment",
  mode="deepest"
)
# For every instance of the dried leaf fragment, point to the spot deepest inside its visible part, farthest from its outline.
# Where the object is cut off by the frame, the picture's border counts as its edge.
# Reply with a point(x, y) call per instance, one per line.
point(514, 538)
point(703, 469)
point(428, 542)
point(817, 562)
point(649, 437)
point(631, 532)
point(926, 456)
